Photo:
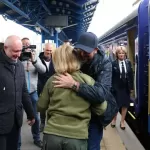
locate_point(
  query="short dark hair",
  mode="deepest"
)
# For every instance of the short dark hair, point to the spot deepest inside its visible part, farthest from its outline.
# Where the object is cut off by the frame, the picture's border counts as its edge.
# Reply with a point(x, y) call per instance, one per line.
point(25, 38)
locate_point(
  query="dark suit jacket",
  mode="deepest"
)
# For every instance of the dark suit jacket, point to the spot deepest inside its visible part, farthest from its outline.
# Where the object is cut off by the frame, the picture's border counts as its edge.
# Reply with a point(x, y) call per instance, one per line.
point(13, 94)
point(116, 75)
point(42, 78)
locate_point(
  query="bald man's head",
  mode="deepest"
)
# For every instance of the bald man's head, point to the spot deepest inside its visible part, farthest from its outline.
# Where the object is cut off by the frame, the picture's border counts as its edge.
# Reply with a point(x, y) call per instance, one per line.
point(13, 47)
point(49, 47)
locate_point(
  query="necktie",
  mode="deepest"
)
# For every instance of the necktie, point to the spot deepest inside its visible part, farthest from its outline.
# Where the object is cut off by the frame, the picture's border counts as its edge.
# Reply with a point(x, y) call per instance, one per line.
point(123, 75)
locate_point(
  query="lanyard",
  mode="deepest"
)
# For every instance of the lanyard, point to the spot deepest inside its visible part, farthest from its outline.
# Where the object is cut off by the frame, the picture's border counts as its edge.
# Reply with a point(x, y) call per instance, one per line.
point(28, 74)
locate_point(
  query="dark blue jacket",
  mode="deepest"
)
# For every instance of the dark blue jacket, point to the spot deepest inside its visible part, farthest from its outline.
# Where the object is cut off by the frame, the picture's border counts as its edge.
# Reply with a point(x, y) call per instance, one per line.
point(101, 70)
point(42, 78)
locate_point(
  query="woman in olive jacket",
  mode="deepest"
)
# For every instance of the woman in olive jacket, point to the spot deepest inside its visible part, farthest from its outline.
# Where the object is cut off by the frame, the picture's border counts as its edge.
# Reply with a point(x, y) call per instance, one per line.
point(68, 115)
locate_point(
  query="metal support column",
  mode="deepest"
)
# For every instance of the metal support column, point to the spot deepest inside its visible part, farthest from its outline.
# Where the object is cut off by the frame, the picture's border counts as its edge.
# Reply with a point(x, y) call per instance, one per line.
point(56, 38)
point(43, 38)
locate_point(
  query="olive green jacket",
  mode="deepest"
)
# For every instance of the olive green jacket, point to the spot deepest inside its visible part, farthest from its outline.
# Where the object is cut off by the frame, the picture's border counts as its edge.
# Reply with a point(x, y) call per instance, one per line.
point(68, 115)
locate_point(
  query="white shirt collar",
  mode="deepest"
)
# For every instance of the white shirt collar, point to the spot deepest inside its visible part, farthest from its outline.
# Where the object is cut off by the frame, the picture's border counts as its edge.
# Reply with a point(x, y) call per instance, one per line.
point(120, 65)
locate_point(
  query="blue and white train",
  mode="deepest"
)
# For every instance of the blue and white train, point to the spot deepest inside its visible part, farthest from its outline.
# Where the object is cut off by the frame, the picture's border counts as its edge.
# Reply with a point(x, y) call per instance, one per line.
point(133, 32)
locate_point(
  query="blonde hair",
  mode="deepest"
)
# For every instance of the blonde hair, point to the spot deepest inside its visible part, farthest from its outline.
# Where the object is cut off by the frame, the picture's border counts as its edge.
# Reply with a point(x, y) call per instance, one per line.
point(119, 48)
point(64, 59)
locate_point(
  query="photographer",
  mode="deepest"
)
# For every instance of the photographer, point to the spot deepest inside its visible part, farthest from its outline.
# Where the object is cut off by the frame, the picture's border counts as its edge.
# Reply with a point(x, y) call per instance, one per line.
point(32, 66)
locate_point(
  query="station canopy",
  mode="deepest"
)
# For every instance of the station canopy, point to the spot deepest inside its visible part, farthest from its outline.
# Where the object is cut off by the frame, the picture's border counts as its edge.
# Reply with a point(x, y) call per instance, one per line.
point(69, 18)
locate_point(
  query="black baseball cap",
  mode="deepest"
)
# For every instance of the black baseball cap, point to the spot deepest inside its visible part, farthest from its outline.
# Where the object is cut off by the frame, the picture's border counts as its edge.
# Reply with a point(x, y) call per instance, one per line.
point(68, 40)
point(87, 42)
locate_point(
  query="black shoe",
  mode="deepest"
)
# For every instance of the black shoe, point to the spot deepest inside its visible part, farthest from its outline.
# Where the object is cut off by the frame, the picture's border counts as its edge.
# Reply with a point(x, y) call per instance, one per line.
point(113, 125)
point(42, 127)
point(123, 128)
point(38, 143)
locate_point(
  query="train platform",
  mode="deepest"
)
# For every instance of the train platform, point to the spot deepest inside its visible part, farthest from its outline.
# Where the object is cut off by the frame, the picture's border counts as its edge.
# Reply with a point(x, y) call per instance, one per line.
point(113, 139)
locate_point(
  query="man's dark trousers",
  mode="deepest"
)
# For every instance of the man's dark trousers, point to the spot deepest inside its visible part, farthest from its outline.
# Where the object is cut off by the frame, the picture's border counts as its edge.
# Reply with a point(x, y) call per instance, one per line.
point(10, 141)
point(95, 135)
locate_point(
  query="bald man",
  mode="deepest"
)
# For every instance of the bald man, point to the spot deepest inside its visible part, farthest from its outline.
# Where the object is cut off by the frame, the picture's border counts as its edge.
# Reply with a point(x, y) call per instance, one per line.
point(13, 94)
point(42, 78)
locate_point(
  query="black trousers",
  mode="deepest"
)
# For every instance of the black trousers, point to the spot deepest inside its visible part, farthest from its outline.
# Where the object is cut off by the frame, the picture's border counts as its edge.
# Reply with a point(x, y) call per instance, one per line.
point(10, 141)
point(42, 117)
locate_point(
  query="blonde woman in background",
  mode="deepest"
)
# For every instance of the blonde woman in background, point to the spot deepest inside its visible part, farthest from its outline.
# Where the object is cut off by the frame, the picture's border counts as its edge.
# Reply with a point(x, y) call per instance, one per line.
point(122, 83)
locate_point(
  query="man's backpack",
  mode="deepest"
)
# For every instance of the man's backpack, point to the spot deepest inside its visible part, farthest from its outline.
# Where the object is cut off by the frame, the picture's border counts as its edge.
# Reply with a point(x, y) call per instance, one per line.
point(110, 112)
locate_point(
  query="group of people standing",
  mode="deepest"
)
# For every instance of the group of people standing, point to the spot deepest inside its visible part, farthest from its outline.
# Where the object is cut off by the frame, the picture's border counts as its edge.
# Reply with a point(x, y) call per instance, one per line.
point(68, 85)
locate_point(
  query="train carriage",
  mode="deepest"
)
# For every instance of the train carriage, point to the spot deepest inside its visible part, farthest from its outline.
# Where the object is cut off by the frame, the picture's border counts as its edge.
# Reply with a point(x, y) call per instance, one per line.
point(133, 32)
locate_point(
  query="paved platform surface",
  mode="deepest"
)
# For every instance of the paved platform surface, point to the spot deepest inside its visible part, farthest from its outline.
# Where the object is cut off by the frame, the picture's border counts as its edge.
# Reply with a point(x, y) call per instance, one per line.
point(111, 139)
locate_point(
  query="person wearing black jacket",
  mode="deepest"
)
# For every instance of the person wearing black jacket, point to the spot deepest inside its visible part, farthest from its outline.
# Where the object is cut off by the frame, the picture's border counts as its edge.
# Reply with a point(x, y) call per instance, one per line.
point(13, 94)
point(122, 83)
point(42, 78)
point(97, 65)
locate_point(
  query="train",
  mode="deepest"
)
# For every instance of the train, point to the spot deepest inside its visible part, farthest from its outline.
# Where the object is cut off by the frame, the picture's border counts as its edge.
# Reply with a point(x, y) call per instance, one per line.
point(133, 32)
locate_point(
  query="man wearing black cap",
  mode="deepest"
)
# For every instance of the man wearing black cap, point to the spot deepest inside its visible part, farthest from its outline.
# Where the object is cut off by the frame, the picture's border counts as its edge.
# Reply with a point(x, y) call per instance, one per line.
point(97, 65)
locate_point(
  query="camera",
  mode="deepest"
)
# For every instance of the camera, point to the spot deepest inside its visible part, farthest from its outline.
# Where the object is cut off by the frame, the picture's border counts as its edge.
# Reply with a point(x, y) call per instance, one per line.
point(27, 55)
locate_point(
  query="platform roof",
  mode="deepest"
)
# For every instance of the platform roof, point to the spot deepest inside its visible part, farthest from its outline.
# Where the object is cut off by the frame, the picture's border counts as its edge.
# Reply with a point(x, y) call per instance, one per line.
point(31, 13)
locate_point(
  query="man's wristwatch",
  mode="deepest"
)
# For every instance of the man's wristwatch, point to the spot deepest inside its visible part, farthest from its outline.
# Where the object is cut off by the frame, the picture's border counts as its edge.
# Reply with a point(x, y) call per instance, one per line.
point(74, 87)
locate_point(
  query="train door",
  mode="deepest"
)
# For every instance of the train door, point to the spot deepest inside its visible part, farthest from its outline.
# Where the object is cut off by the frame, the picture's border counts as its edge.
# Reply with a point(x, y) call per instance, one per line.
point(131, 55)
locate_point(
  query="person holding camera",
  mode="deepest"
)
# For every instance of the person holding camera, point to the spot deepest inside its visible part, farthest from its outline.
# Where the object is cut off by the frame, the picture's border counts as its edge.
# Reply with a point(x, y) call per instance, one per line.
point(32, 66)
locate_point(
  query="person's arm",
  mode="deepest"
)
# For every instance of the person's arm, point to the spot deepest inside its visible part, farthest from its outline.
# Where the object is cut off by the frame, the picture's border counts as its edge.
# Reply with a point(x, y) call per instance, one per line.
point(37, 63)
point(99, 92)
point(94, 94)
point(27, 104)
point(40, 67)
point(44, 98)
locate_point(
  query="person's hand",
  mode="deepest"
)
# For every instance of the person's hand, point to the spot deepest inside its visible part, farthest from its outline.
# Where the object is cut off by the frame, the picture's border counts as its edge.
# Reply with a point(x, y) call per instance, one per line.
point(33, 56)
point(31, 122)
point(64, 81)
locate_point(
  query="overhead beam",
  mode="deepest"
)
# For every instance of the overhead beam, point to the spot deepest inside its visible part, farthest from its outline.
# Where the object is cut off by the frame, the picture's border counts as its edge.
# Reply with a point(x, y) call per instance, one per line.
point(65, 35)
point(90, 2)
point(44, 29)
point(72, 2)
point(137, 1)
point(16, 9)
point(70, 26)
point(45, 7)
